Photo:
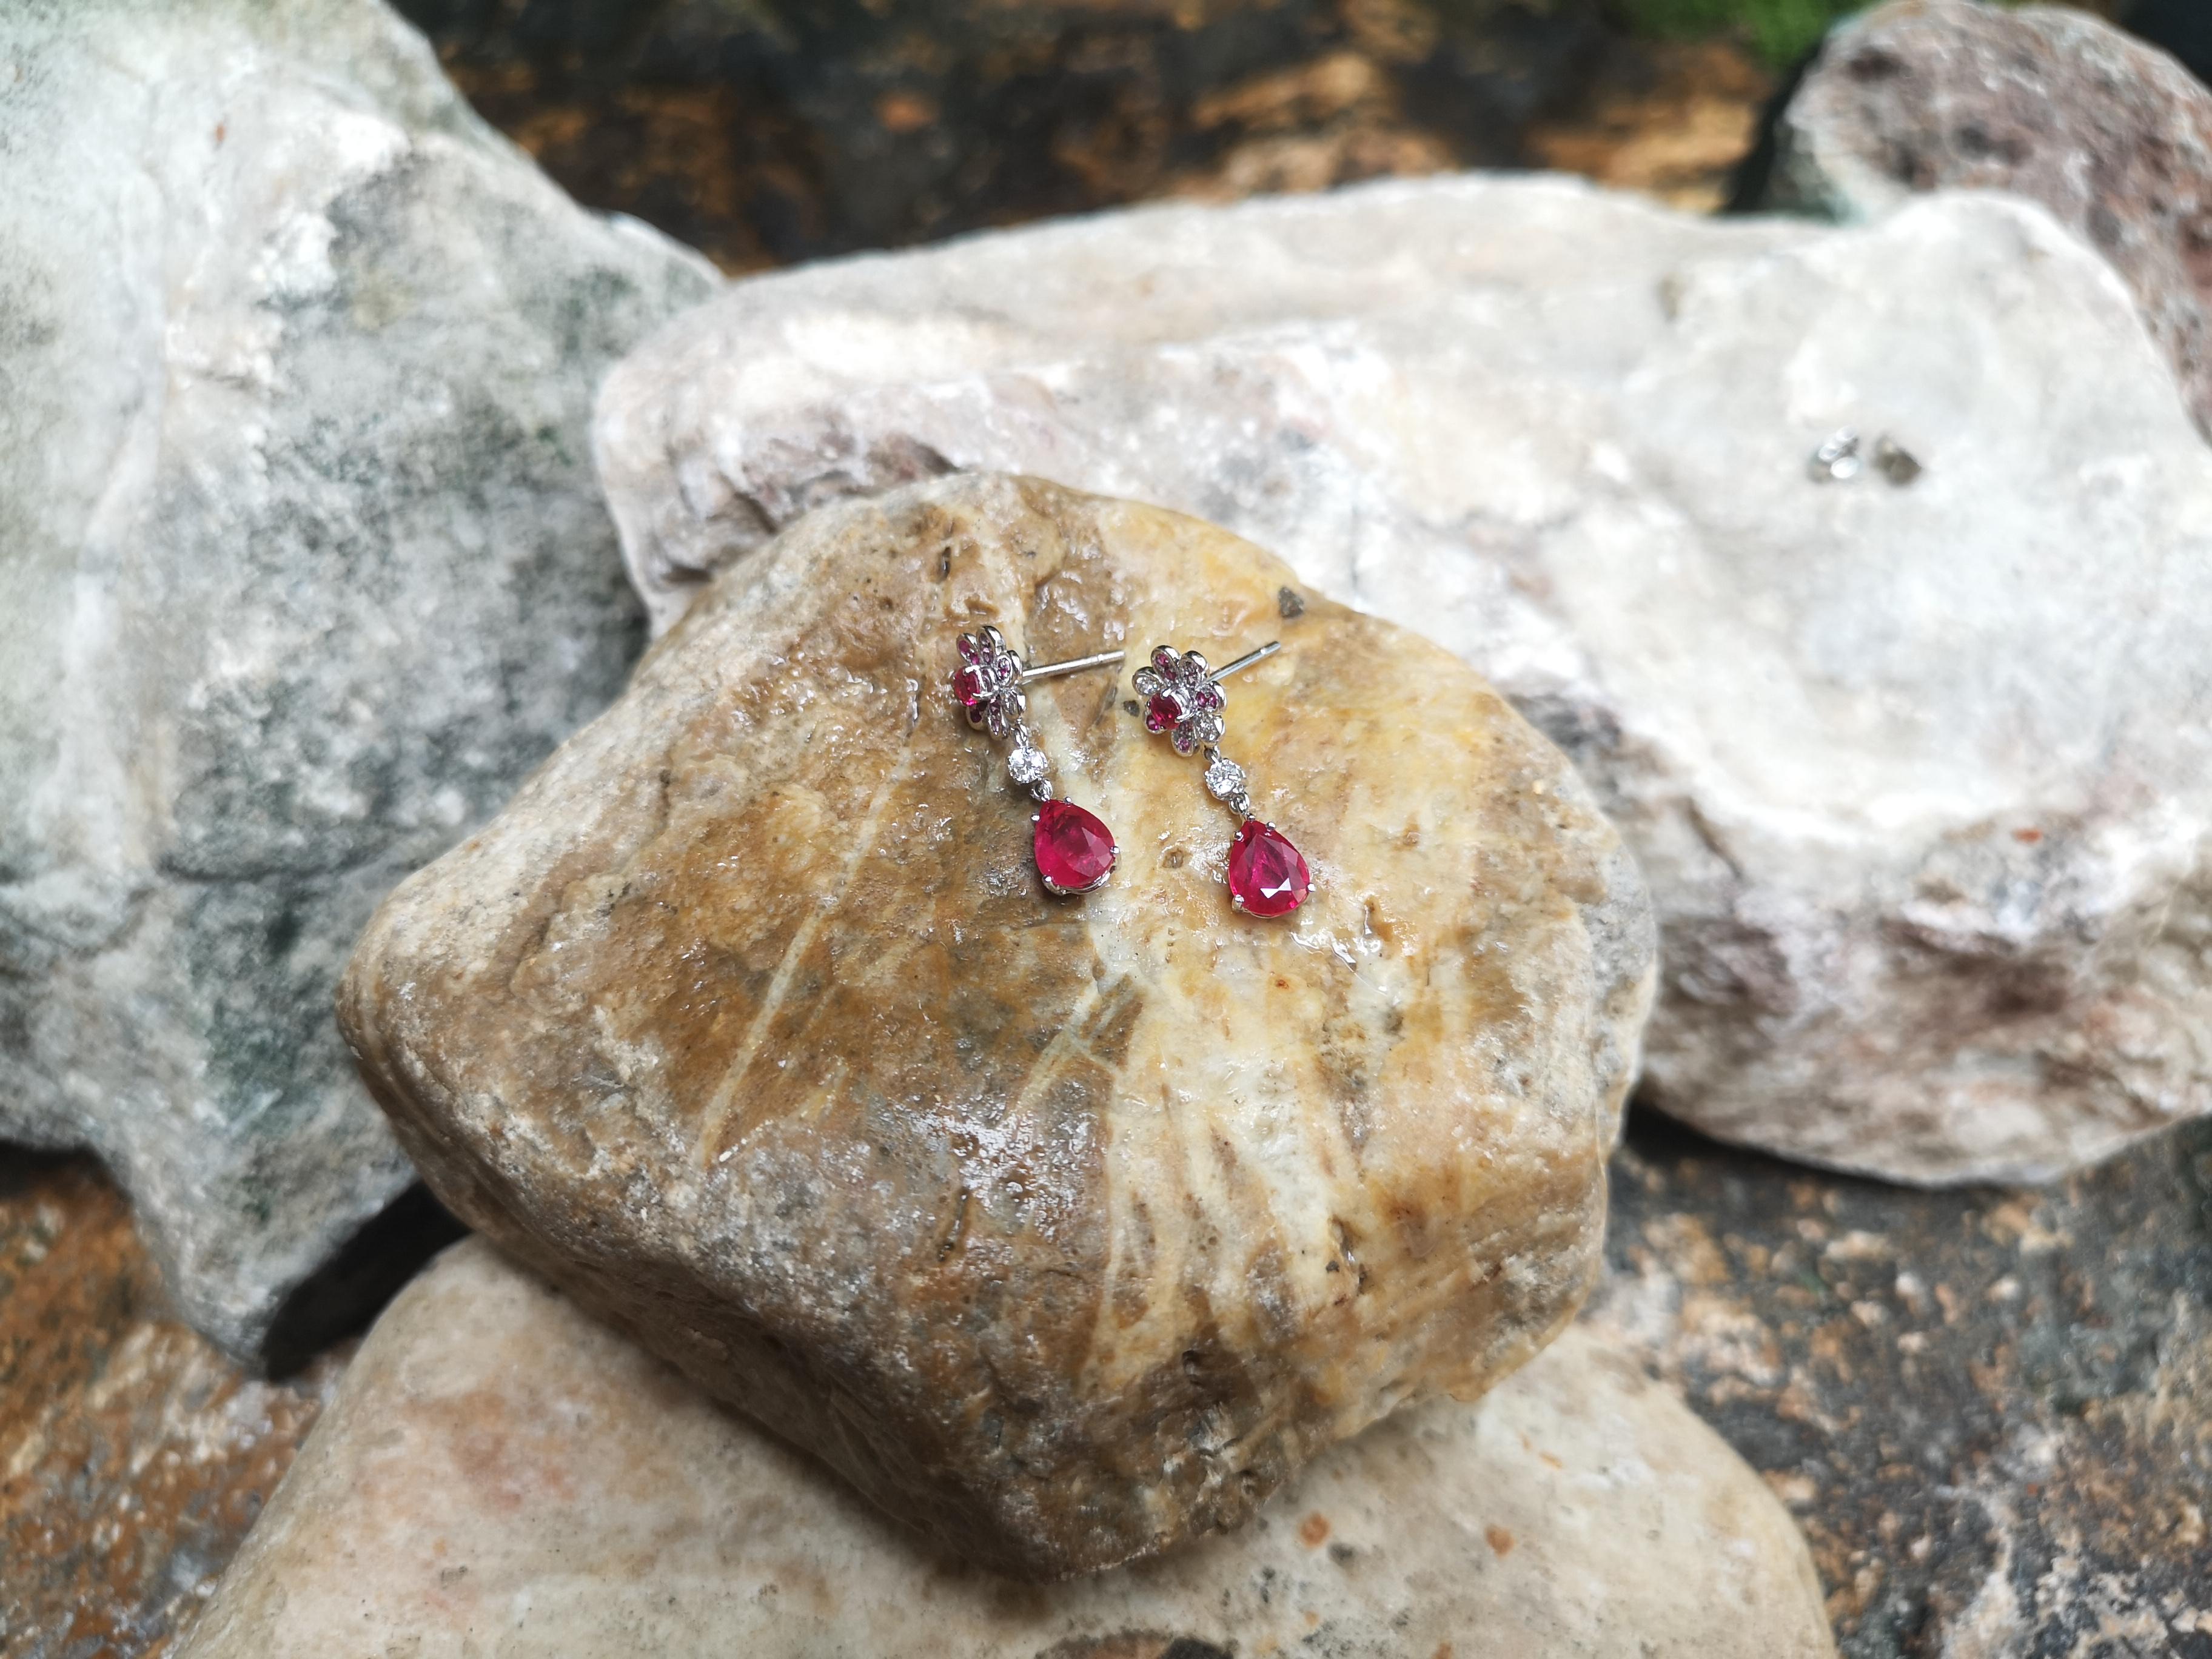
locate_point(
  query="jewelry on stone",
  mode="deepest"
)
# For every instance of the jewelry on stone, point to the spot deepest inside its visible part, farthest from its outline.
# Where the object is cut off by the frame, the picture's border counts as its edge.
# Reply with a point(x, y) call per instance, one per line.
point(1073, 849)
point(1837, 461)
point(1183, 697)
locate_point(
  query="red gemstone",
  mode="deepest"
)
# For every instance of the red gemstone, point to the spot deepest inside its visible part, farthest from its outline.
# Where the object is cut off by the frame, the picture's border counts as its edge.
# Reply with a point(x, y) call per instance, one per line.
point(1163, 711)
point(1266, 874)
point(1075, 850)
point(970, 685)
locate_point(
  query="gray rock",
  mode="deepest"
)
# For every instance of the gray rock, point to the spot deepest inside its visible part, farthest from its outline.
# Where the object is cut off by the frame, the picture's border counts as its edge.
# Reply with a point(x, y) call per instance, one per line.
point(2112, 136)
point(1921, 773)
point(499, 1474)
point(301, 569)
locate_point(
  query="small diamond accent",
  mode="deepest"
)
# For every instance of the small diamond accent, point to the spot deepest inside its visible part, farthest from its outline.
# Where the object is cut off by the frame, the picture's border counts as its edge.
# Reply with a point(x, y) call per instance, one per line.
point(1225, 779)
point(1027, 766)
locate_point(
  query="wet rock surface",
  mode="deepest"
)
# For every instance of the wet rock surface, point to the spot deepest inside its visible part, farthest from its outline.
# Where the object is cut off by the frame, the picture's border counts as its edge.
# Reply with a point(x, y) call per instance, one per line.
point(451, 1499)
point(1923, 794)
point(1990, 1409)
point(302, 568)
point(2112, 137)
point(1065, 1229)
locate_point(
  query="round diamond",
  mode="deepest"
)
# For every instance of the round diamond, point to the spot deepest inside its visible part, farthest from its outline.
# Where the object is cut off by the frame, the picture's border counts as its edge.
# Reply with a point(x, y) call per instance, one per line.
point(1026, 766)
point(1225, 779)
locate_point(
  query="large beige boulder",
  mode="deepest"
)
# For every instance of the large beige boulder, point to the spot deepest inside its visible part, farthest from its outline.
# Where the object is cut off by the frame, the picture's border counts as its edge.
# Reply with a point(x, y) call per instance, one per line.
point(1064, 1227)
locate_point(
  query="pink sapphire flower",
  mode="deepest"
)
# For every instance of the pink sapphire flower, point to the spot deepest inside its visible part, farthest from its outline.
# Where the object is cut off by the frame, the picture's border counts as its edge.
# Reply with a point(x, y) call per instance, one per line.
point(1181, 698)
point(987, 683)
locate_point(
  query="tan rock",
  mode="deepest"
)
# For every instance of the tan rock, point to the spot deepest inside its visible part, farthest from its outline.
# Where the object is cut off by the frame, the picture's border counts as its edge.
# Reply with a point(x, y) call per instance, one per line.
point(501, 1474)
point(1064, 1227)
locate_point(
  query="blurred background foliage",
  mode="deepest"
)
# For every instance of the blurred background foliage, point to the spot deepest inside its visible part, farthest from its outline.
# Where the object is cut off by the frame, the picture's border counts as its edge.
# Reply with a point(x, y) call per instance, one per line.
point(1781, 32)
point(765, 131)
point(1778, 31)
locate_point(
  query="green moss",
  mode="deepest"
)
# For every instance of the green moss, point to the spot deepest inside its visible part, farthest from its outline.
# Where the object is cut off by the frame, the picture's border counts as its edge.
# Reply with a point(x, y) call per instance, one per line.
point(1779, 30)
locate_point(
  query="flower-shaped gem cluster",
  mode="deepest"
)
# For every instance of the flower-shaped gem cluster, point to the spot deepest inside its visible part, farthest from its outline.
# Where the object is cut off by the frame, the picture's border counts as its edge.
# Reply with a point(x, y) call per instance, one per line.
point(1181, 698)
point(987, 683)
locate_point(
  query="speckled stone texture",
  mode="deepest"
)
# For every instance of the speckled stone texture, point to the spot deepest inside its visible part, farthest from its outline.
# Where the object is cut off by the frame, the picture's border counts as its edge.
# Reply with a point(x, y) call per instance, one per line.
point(1992, 1410)
point(2112, 136)
point(1064, 1229)
point(501, 1474)
point(1922, 788)
point(302, 568)
point(133, 1454)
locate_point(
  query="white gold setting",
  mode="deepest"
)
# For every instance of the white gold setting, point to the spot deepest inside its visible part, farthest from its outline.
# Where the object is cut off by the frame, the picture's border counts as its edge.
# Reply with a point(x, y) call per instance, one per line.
point(1183, 697)
point(1266, 874)
point(987, 686)
point(1224, 779)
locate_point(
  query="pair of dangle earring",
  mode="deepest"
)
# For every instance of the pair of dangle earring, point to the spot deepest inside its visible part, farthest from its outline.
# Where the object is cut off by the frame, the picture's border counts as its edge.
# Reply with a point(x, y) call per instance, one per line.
point(1073, 849)
point(1183, 697)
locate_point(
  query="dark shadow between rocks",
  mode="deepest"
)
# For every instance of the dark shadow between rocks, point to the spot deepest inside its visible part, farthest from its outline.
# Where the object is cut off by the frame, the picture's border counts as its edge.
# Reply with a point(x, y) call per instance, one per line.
point(1748, 190)
point(1653, 1135)
point(2183, 28)
point(349, 1290)
point(1135, 1645)
point(23, 1167)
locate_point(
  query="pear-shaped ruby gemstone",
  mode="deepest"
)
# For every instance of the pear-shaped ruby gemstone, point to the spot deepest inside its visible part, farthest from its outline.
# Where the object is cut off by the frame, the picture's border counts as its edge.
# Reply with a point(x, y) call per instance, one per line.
point(1075, 850)
point(1266, 874)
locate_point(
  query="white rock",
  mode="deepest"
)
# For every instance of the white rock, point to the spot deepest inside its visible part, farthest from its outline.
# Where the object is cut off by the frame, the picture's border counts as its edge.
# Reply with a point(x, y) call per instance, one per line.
point(301, 567)
point(499, 1474)
point(1921, 775)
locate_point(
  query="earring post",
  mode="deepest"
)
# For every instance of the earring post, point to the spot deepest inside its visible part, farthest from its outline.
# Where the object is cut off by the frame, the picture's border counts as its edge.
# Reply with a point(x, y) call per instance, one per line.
point(1072, 665)
point(1246, 660)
